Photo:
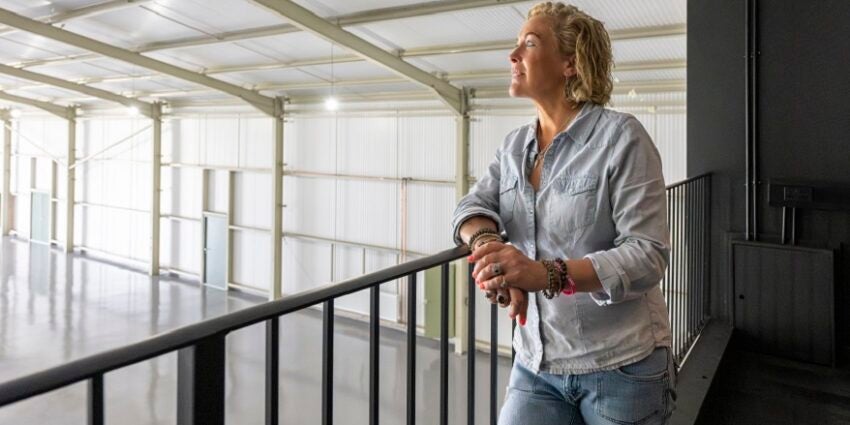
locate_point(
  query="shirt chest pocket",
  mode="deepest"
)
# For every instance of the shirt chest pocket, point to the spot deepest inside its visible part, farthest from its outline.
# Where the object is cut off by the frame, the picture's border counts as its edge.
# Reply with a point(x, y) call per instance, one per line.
point(573, 202)
point(507, 198)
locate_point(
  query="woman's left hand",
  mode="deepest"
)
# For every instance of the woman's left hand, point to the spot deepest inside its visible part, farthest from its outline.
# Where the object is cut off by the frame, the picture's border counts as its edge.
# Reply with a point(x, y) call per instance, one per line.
point(515, 270)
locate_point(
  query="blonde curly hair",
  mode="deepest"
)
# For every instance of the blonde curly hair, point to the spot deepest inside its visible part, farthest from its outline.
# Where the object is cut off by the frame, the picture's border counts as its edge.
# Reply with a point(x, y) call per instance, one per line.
point(581, 35)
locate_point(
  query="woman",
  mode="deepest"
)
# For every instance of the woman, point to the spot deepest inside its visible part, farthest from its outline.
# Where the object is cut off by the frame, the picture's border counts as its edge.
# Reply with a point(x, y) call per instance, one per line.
point(580, 195)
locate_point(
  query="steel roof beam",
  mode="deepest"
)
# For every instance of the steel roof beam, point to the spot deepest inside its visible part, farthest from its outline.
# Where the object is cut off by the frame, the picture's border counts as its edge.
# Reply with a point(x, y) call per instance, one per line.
point(12, 19)
point(143, 107)
point(313, 23)
point(84, 12)
point(58, 110)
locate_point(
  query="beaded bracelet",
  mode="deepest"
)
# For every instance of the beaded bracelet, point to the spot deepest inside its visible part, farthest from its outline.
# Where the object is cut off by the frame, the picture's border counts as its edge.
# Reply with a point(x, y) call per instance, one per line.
point(568, 285)
point(553, 284)
point(480, 233)
point(485, 239)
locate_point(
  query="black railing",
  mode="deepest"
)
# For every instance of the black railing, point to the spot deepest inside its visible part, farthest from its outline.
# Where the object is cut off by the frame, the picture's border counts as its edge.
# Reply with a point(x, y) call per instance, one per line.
point(201, 346)
point(685, 284)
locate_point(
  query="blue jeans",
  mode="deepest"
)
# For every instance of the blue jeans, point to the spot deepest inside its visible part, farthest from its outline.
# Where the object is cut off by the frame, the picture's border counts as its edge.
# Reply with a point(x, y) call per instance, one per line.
point(638, 393)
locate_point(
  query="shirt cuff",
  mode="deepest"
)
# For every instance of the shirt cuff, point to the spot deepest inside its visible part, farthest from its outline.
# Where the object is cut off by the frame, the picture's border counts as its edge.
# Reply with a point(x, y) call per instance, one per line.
point(471, 212)
point(612, 277)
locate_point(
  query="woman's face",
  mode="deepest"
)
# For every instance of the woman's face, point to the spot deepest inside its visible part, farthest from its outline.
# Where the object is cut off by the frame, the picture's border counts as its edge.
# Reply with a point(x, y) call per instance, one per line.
point(538, 70)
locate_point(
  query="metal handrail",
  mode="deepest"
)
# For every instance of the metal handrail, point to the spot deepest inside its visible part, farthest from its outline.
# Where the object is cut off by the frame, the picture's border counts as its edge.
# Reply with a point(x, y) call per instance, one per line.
point(86, 367)
point(686, 181)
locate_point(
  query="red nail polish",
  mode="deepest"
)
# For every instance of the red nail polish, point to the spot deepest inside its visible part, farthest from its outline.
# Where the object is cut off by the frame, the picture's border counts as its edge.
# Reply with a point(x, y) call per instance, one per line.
point(522, 321)
point(471, 259)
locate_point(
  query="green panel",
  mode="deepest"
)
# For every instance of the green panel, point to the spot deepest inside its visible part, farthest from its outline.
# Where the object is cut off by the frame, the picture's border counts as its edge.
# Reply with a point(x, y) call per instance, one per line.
point(40, 217)
point(432, 302)
point(215, 251)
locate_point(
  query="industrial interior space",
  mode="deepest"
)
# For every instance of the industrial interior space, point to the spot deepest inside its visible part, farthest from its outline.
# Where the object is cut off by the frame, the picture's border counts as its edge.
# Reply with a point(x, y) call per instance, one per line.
point(241, 211)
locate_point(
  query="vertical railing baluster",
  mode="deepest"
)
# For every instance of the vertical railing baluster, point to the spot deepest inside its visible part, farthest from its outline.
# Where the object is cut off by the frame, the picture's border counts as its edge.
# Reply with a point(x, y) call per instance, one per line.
point(668, 296)
point(672, 269)
point(327, 362)
point(707, 288)
point(95, 400)
point(691, 258)
point(470, 343)
point(411, 349)
point(494, 346)
point(444, 344)
point(682, 266)
point(200, 382)
point(678, 269)
point(702, 250)
point(374, 353)
point(272, 370)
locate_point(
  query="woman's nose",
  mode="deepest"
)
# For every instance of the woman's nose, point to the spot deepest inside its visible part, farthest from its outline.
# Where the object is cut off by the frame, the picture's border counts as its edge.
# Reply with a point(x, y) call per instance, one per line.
point(513, 56)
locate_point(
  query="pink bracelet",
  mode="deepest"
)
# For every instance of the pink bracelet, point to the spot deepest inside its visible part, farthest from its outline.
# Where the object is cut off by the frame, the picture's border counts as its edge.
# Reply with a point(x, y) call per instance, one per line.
point(570, 287)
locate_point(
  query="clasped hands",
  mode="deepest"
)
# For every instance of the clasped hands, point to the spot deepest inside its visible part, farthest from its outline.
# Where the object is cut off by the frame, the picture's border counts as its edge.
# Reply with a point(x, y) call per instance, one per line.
point(502, 269)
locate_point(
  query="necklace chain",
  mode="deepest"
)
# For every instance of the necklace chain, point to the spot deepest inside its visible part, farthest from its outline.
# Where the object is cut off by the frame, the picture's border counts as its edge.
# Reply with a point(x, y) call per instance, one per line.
point(542, 154)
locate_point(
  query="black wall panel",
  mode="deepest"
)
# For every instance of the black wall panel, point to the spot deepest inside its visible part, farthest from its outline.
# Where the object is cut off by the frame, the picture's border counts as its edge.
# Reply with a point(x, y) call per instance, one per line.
point(803, 123)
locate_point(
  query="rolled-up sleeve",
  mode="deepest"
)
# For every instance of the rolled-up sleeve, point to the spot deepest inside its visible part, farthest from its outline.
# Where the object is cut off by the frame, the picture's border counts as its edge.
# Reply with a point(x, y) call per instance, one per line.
point(639, 205)
point(482, 199)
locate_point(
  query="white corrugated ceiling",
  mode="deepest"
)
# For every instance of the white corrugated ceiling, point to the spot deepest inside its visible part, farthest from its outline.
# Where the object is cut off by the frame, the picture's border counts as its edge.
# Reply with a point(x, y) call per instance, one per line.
point(270, 62)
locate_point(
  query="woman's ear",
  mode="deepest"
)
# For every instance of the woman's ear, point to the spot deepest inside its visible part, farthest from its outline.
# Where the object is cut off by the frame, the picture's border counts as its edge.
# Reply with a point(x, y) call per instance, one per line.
point(570, 67)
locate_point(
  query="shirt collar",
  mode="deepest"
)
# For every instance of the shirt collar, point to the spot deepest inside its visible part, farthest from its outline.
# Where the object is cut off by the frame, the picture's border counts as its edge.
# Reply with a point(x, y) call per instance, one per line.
point(579, 130)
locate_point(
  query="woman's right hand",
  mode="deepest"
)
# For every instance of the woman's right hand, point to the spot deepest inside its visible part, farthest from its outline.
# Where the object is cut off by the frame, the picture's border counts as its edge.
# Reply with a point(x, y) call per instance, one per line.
point(517, 299)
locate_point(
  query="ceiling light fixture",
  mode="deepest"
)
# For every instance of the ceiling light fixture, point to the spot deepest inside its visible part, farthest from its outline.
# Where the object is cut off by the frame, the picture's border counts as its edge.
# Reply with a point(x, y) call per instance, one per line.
point(331, 103)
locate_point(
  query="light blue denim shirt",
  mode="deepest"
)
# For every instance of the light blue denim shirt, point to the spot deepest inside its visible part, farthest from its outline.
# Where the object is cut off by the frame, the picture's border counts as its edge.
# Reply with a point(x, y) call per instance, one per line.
point(601, 197)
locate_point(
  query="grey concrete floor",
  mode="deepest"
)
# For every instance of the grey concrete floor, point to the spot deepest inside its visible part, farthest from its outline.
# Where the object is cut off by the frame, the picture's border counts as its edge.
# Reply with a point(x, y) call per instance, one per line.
point(55, 307)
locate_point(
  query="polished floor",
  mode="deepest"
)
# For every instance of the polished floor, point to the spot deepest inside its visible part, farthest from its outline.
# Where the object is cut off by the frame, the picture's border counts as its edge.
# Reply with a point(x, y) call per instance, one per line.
point(55, 307)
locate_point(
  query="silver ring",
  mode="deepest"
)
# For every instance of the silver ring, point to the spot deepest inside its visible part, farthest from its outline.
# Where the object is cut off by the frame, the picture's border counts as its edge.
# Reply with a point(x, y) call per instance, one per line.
point(504, 284)
point(496, 268)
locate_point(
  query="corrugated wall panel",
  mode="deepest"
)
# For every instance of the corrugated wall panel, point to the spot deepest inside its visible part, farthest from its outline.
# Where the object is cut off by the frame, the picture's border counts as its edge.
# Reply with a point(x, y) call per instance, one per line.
point(220, 142)
point(306, 264)
point(671, 139)
point(367, 212)
point(185, 141)
point(310, 144)
point(180, 244)
point(252, 203)
point(368, 145)
point(310, 206)
point(181, 192)
point(429, 214)
point(251, 259)
point(22, 214)
point(217, 182)
point(486, 134)
point(255, 142)
point(427, 147)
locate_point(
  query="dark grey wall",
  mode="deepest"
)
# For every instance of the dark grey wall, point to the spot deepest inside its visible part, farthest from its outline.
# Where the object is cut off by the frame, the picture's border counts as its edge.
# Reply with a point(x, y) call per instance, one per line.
point(803, 112)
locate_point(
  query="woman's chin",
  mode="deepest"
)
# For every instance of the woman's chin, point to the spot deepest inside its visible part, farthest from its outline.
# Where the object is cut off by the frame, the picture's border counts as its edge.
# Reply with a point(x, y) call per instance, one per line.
point(515, 91)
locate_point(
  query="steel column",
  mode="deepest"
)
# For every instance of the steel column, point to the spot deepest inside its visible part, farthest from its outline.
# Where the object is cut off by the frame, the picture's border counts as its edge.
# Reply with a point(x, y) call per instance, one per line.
point(461, 189)
point(70, 180)
point(156, 168)
point(275, 290)
point(5, 204)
